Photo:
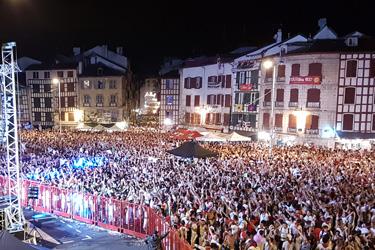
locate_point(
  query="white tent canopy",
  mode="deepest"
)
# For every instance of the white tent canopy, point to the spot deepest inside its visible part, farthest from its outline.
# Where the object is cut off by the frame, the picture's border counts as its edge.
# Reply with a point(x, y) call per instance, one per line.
point(233, 137)
point(211, 137)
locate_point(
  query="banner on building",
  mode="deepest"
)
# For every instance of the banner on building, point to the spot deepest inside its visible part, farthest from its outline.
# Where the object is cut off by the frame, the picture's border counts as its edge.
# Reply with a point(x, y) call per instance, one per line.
point(246, 86)
point(305, 80)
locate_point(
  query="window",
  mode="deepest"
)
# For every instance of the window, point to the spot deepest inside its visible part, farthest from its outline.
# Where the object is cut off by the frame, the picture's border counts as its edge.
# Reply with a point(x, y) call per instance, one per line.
point(47, 75)
point(278, 120)
point(36, 88)
point(70, 73)
point(280, 95)
point(372, 68)
point(113, 98)
point(71, 116)
point(315, 69)
point(295, 69)
point(217, 118)
point(266, 120)
point(196, 100)
point(168, 84)
point(281, 71)
point(37, 102)
point(62, 102)
point(292, 121)
point(60, 74)
point(48, 102)
point(38, 116)
point(86, 84)
point(71, 101)
point(48, 117)
point(187, 117)
point(99, 99)
point(47, 88)
point(101, 85)
point(112, 84)
point(267, 95)
point(187, 83)
point(228, 100)
point(373, 122)
point(70, 87)
point(313, 95)
point(86, 99)
point(294, 95)
point(62, 116)
point(36, 75)
point(347, 122)
point(226, 119)
point(349, 97)
point(188, 101)
point(312, 122)
point(269, 73)
point(351, 68)
point(169, 99)
point(228, 81)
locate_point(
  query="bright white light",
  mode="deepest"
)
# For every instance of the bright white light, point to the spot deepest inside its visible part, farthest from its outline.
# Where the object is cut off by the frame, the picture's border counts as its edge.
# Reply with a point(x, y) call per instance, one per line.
point(168, 122)
point(328, 132)
point(78, 115)
point(264, 136)
point(55, 81)
point(122, 125)
point(267, 64)
point(301, 119)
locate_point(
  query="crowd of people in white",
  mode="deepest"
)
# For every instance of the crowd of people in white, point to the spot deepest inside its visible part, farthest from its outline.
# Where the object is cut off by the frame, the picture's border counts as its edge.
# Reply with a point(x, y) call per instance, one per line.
point(301, 198)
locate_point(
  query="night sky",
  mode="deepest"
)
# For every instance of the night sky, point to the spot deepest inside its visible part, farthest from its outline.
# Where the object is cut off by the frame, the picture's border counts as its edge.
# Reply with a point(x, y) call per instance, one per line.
point(151, 30)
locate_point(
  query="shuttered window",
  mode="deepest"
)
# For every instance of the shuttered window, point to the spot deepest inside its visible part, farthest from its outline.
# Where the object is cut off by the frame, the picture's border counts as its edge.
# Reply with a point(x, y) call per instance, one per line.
point(279, 120)
point(349, 96)
point(281, 71)
point(280, 95)
point(347, 122)
point(351, 68)
point(295, 70)
point(294, 95)
point(196, 100)
point(228, 100)
point(313, 95)
point(312, 122)
point(292, 123)
point(228, 81)
point(315, 69)
point(266, 120)
point(188, 101)
point(267, 95)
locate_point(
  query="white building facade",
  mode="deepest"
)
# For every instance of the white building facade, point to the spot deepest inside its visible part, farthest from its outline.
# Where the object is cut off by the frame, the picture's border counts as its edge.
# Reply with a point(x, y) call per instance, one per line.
point(206, 93)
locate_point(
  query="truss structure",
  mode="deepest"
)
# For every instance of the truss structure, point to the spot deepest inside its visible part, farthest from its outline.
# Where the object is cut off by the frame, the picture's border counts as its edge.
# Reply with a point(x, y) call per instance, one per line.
point(14, 219)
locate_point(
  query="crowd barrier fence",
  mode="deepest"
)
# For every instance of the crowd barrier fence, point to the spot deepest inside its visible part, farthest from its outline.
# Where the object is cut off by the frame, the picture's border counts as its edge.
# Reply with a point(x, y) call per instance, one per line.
point(112, 214)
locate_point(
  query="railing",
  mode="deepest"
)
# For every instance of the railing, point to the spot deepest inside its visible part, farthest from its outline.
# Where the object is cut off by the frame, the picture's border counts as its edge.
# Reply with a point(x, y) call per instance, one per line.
point(116, 215)
point(312, 131)
point(265, 104)
point(279, 104)
point(313, 105)
point(292, 130)
point(293, 104)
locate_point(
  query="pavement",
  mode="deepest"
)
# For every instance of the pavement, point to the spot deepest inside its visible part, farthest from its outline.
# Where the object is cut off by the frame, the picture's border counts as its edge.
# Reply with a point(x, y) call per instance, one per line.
point(62, 233)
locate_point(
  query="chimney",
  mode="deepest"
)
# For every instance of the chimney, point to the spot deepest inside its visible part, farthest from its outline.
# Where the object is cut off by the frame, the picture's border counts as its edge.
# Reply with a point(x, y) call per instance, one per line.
point(76, 51)
point(322, 23)
point(105, 50)
point(119, 50)
point(80, 68)
point(278, 36)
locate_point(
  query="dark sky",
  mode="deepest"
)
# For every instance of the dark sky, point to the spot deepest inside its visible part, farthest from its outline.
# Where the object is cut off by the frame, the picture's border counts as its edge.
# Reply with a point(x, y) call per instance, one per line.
point(151, 30)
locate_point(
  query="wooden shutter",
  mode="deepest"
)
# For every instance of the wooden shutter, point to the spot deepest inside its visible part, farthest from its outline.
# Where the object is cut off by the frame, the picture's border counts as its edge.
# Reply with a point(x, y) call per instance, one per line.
point(226, 119)
point(295, 69)
point(279, 120)
point(294, 95)
point(313, 95)
point(292, 121)
point(228, 81)
point(188, 101)
point(266, 120)
point(315, 69)
point(196, 100)
point(351, 68)
point(227, 100)
point(314, 122)
point(347, 122)
point(267, 95)
point(281, 70)
point(280, 95)
point(349, 95)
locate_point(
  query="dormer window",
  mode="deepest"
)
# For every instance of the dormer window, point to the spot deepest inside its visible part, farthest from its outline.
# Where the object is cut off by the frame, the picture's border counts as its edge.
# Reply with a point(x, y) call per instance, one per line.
point(352, 41)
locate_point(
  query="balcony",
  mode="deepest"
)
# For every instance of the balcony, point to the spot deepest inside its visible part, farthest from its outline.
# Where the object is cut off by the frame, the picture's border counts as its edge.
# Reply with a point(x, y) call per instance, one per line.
point(292, 130)
point(281, 79)
point(268, 79)
point(113, 104)
point(313, 105)
point(278, 129)
point(279, 104)
point(86, 104)
point(266, 104)
point(99, 104)
point(293, 104)
point(312, 131)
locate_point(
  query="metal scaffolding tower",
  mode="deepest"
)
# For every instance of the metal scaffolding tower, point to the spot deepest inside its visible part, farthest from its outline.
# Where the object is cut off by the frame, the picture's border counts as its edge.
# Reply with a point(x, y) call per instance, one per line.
point(14, 219)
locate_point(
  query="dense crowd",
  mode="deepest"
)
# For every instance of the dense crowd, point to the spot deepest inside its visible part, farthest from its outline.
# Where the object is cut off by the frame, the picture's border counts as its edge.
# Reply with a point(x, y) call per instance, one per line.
point(301, 198)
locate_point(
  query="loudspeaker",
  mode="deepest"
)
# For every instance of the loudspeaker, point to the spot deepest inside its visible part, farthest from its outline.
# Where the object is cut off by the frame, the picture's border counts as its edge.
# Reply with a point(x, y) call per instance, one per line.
point(33, 193)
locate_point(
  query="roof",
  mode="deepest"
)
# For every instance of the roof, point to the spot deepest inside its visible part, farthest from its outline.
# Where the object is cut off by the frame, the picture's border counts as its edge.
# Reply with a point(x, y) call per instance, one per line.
point(171, 74)
point(100, 69)
point(202, 61)
point(333, 45)
point(326, 33)
point(44, 66)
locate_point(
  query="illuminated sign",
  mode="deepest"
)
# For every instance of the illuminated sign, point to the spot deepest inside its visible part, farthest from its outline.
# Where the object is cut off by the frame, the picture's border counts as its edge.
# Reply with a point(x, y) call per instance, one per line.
point(305, 80)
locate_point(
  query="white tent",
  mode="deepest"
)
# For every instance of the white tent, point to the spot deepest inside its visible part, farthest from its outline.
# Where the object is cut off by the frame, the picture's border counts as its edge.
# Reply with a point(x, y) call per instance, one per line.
point(237, 137)
point(211, 137)
point(83, 127)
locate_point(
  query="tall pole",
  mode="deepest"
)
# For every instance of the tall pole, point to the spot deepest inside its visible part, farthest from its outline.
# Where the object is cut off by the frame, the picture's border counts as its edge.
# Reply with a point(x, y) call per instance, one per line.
point(272, 110)
point(58, 85)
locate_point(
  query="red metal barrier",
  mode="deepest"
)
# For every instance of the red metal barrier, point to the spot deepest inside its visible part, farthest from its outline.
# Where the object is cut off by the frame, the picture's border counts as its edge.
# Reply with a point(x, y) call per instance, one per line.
point(117, 215)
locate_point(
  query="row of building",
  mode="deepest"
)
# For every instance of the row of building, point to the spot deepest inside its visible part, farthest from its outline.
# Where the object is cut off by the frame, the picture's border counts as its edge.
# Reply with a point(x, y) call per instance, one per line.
point(323, 89)
point(94, 86)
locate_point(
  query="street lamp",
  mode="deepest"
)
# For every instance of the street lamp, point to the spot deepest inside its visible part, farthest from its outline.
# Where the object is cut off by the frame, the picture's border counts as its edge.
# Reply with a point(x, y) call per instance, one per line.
point(58, 82)
point(267, 65)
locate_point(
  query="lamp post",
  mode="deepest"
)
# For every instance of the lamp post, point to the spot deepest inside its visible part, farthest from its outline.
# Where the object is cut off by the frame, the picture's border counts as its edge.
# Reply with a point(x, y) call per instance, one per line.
point(58, 82)
point(267, 65)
